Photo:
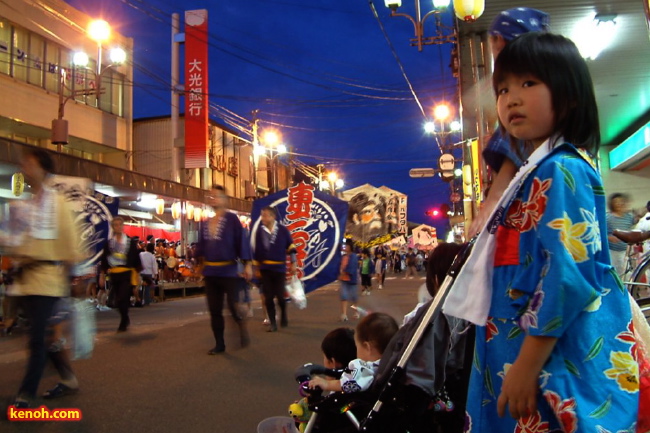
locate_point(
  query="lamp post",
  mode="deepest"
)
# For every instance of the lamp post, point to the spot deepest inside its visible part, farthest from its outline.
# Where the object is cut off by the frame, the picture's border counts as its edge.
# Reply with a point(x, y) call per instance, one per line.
point(442, 113)
point(443, 34)
point(331, 182)
point(99, 31)
point(272, 147)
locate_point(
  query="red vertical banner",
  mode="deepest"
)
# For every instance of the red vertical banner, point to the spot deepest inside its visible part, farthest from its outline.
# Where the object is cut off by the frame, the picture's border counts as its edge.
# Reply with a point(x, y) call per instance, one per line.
point(196, 88)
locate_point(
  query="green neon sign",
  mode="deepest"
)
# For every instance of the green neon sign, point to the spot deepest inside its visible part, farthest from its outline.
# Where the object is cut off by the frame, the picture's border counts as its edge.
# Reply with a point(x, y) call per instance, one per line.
point(635, 146)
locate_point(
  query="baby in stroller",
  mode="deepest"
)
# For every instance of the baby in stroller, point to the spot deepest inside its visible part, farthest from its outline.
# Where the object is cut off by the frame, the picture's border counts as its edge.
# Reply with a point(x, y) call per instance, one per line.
point(372, 335)
point(350, 362)
point(419, 381)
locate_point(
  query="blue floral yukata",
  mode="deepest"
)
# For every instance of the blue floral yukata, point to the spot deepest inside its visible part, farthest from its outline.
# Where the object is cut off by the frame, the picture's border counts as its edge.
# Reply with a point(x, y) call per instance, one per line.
point(553, 277)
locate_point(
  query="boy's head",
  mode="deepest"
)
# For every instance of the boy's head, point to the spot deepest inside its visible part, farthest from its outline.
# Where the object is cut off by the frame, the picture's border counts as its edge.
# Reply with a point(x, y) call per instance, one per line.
point(338, 348)
point(373, 334)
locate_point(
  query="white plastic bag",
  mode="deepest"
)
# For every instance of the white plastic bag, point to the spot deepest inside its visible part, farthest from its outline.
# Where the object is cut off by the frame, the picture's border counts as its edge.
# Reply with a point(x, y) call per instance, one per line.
point(83, 329)
point(297, 292)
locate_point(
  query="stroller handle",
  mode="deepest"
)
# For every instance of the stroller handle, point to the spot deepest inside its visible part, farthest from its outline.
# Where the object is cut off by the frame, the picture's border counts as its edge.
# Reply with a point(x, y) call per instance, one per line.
point(306, 371)
point(461, 257)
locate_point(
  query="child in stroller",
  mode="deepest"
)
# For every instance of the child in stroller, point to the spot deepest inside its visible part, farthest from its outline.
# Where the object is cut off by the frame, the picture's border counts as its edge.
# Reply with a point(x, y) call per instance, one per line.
point(372, 335)
point(339, 350)
point(427, 356)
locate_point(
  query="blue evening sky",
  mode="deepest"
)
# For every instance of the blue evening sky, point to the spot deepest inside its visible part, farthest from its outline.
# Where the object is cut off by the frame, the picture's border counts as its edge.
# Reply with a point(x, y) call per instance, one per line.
point(320, 71)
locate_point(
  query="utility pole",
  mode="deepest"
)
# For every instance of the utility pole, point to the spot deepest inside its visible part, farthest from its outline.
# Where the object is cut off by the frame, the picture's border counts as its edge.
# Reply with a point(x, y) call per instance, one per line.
point(256, 144)
point(177, 39)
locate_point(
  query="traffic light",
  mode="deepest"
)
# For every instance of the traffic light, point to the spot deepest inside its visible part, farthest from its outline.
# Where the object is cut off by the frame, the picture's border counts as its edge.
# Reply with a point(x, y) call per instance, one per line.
point(441, 211)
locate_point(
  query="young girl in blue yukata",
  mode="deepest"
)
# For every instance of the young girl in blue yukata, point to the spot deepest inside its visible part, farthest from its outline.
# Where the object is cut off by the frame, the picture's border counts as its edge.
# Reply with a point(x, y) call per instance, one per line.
point(557, 352)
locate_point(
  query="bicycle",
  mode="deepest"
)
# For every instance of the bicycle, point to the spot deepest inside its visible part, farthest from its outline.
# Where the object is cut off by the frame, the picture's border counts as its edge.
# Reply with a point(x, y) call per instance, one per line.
point(638, 269)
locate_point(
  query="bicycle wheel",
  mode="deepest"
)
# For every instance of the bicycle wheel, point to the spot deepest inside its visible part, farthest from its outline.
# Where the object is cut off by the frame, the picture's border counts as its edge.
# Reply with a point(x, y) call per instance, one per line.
point(639, 284)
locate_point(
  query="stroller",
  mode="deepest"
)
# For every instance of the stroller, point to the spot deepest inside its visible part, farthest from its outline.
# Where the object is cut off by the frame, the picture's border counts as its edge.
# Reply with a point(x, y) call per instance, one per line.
point(422, 379)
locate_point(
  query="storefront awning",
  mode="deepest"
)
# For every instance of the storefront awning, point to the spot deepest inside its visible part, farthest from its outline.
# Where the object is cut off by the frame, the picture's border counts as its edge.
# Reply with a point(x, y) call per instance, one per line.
point(11, 151)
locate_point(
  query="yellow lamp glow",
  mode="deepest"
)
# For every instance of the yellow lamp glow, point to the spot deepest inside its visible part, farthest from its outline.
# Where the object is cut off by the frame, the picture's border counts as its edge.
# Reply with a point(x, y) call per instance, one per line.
point(176, 210)
point(99, 31)
point(17, 184)
point(441, 112)
point(197, 215)
point(469, 10)
point(189, 211)
point(271, 138)
point(160, 206)
point(332, 176)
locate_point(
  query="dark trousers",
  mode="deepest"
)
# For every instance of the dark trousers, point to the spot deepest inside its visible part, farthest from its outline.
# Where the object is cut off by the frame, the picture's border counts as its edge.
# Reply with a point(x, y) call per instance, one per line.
point(38, 309)
point(273, 286)
point(215, 289)
point(121, 283)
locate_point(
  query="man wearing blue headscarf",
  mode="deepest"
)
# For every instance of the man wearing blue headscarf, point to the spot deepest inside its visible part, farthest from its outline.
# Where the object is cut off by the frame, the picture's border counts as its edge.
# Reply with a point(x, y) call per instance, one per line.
point(499, 154)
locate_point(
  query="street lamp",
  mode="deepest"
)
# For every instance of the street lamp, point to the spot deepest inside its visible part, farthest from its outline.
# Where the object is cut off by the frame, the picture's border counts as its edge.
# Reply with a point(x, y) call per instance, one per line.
point(331, 182)
point(272, 143)
point(442, 113)
point(443, 34)
point(99, 31)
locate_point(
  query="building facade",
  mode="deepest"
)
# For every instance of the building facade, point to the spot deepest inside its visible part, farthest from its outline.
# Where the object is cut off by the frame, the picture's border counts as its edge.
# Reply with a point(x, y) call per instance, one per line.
point(38, 40)
point(232, 163)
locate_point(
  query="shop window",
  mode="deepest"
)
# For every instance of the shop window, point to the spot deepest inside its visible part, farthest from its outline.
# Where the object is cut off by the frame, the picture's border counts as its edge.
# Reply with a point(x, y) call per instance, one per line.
point(35, 58)
point(117, 94)
point(5, 46)
point(67, 71)
point(91, 83)
point(51, 65)
point(19, 55)
point(105, 97)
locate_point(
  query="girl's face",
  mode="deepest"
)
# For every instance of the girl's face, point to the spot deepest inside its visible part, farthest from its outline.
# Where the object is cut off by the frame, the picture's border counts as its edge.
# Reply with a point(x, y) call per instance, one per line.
point(525, 108)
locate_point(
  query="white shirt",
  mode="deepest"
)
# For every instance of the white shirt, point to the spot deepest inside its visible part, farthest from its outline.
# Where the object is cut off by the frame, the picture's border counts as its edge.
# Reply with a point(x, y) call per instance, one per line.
point(359, 375)
point(644, 225)
point(149, 264)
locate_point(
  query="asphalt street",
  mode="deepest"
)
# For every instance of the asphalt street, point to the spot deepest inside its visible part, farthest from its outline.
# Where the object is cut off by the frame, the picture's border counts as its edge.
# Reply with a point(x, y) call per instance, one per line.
point(157, 377)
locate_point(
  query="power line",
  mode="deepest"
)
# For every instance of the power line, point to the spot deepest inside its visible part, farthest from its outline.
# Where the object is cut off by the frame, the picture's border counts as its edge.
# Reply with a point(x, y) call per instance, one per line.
point(399, 62)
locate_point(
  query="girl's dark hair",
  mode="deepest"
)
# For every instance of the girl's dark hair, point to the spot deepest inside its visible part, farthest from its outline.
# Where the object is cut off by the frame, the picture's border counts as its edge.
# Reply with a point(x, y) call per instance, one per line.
point(556, 61)
point(377, 329)
point(339, 346)
point(438, 265)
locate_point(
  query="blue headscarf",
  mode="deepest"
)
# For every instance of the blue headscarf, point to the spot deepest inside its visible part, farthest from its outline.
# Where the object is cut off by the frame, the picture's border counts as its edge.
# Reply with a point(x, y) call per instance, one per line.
point(516, 21)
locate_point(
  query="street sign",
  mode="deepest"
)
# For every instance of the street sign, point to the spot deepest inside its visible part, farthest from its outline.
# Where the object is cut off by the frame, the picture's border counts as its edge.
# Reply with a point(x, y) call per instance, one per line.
point(446, 162)
point(422, 172)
